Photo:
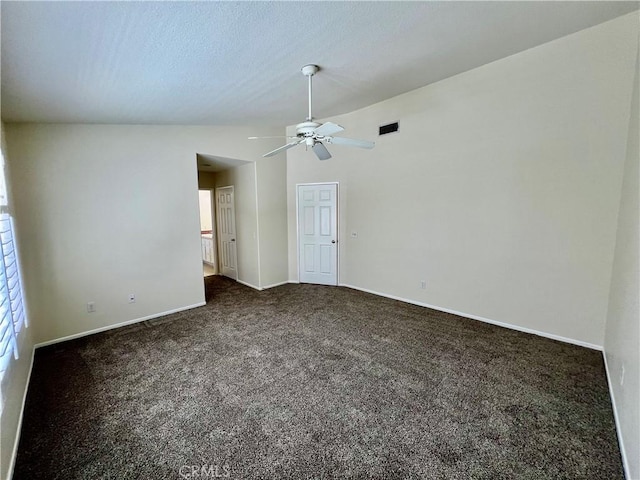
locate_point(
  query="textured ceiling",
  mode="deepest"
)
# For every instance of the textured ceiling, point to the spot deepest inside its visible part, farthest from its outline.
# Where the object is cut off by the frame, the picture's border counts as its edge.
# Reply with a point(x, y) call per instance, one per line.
point(230, 63)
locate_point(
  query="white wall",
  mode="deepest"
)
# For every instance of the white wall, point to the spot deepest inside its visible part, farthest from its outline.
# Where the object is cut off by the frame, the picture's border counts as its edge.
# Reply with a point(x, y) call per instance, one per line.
point(107, 210)
point(243, 179)
point(261, 220)
point(14, 387)
point(15, 378)
point(622, 338)
point(272, 219)
point(206, 217)
point(500, 190)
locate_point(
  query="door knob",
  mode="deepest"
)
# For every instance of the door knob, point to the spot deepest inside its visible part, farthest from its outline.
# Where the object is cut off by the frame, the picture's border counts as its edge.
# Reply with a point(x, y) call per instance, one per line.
point(233, 239)
point(333, 241)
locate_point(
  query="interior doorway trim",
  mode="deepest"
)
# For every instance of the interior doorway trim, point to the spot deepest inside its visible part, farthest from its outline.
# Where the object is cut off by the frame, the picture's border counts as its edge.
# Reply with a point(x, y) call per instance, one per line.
point(214, 229)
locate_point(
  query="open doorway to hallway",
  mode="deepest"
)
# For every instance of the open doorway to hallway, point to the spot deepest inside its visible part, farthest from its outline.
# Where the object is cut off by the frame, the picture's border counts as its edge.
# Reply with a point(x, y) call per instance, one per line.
point(215, 172)
point(207, 232)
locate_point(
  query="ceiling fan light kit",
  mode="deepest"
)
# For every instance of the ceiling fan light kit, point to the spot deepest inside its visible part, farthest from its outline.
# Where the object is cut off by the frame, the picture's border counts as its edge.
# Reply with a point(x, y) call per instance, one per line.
point(312, 134)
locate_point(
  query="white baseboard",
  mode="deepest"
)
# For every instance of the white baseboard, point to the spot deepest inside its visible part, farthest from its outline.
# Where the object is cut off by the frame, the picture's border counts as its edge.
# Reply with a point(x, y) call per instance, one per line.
point(482, 319)
point(71, 337)
point(421, 304)
point(625, 462)
point(118, 325)
point(250, 285)
point(14, 454)
point(275, 285)
point(247, 284)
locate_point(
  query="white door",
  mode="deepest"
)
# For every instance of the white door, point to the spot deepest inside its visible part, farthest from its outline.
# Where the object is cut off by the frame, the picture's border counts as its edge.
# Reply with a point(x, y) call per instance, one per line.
point(318, 233)
point(226, 213)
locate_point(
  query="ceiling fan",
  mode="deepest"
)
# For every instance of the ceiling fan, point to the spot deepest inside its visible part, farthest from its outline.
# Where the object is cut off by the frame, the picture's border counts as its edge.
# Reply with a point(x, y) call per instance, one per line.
point(314, 134)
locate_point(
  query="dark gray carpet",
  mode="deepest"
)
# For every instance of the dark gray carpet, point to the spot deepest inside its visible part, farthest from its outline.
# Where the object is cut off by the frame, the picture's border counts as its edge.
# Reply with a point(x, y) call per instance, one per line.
point(306, 381)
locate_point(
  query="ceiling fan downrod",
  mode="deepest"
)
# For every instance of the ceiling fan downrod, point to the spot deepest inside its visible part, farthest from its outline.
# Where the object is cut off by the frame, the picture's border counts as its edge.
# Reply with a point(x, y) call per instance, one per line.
point(313, 134)
point(310, 71)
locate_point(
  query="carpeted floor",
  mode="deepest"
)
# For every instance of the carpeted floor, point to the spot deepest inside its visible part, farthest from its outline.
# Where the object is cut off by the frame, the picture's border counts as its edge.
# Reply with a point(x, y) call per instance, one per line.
point(307, 381)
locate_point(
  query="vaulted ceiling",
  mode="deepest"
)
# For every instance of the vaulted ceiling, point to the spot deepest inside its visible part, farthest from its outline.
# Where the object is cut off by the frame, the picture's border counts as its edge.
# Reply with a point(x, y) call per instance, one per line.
point(231, 63)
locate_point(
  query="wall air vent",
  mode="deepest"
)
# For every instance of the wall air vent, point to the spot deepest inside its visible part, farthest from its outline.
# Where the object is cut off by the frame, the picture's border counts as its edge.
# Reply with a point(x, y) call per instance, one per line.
point(390, 128)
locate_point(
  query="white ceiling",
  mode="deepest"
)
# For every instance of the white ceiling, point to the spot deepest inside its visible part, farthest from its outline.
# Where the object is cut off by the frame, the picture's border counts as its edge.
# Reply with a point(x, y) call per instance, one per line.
point(231, 63)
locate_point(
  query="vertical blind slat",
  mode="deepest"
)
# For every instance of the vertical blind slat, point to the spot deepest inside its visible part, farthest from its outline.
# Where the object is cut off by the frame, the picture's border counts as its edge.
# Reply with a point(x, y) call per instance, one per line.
point(11, 303)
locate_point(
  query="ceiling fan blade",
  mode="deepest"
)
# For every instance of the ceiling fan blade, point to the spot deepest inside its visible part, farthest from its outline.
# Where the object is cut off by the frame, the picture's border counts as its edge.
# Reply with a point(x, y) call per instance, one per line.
point(283, 148)
point(321, 151)
point(327, 129)
point(350, 142)
point(275, 136)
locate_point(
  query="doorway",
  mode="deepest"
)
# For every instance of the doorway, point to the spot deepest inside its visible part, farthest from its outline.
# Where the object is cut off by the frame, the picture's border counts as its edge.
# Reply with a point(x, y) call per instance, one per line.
point(226, 216)
point(207, 232)
point(317, 206)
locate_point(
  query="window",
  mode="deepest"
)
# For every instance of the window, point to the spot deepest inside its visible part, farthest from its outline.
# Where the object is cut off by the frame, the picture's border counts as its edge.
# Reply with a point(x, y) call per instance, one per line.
point(12, 312)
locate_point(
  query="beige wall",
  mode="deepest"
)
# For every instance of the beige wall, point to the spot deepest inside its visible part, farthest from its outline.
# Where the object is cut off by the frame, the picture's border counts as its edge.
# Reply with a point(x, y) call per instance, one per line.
point(501, 188)
point(108, 210)
point(206, 180)
point(261, 218)
point(272, 219)
point(206, 216)
point(243, 179)
point(15, 378)
point(622, 339)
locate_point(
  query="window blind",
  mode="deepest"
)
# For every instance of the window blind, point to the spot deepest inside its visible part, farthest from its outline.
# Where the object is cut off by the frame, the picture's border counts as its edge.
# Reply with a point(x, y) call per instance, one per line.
point(12, 315)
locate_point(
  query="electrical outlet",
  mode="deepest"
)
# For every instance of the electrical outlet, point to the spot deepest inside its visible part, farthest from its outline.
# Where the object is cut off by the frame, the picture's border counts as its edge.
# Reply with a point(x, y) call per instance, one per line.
point(132, 298)
point(91, 307)
point(622, 375)
point(423, 284)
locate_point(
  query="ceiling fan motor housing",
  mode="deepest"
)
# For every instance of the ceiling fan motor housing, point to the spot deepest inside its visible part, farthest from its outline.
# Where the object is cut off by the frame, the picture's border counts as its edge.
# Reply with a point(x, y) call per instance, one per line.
point(306, 129)
point(312, 133)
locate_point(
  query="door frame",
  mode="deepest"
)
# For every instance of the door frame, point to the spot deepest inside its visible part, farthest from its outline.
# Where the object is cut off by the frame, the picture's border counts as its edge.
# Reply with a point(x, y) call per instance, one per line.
point(235, 227)
point(214, 226)
point(337, 184)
